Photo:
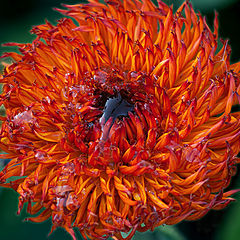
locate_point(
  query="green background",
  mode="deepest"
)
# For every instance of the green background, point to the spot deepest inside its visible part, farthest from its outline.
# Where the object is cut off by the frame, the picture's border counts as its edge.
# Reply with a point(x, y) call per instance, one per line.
point(16, 19)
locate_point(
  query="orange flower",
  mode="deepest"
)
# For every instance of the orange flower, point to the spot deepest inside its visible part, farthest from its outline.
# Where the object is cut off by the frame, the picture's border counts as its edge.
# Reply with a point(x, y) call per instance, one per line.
point(122, 122)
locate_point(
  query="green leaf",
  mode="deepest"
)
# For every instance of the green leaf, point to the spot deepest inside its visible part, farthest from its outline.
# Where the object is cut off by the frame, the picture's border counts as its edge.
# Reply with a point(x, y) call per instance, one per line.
point(161, 233)
point(211, 4)
point(229, 228)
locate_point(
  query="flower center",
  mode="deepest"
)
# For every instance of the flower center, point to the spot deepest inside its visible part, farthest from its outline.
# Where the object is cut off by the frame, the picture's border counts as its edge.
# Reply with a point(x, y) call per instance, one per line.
point(116, 107)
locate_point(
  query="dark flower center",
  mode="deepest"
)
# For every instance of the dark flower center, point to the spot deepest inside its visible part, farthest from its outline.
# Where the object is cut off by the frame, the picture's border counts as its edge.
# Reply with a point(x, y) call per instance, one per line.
point(116, 107)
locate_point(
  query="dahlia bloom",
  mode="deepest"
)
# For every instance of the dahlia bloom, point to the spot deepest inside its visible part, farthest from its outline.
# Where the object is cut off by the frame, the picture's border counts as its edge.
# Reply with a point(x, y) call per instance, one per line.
point(122, 122)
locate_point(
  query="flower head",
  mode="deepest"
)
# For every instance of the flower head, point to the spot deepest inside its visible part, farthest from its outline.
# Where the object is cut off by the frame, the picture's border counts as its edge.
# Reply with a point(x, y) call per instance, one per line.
point(122, 122)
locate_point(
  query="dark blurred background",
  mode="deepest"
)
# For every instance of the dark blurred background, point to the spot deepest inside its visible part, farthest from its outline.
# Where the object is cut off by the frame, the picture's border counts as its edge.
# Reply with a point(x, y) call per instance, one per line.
point(16, 19)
